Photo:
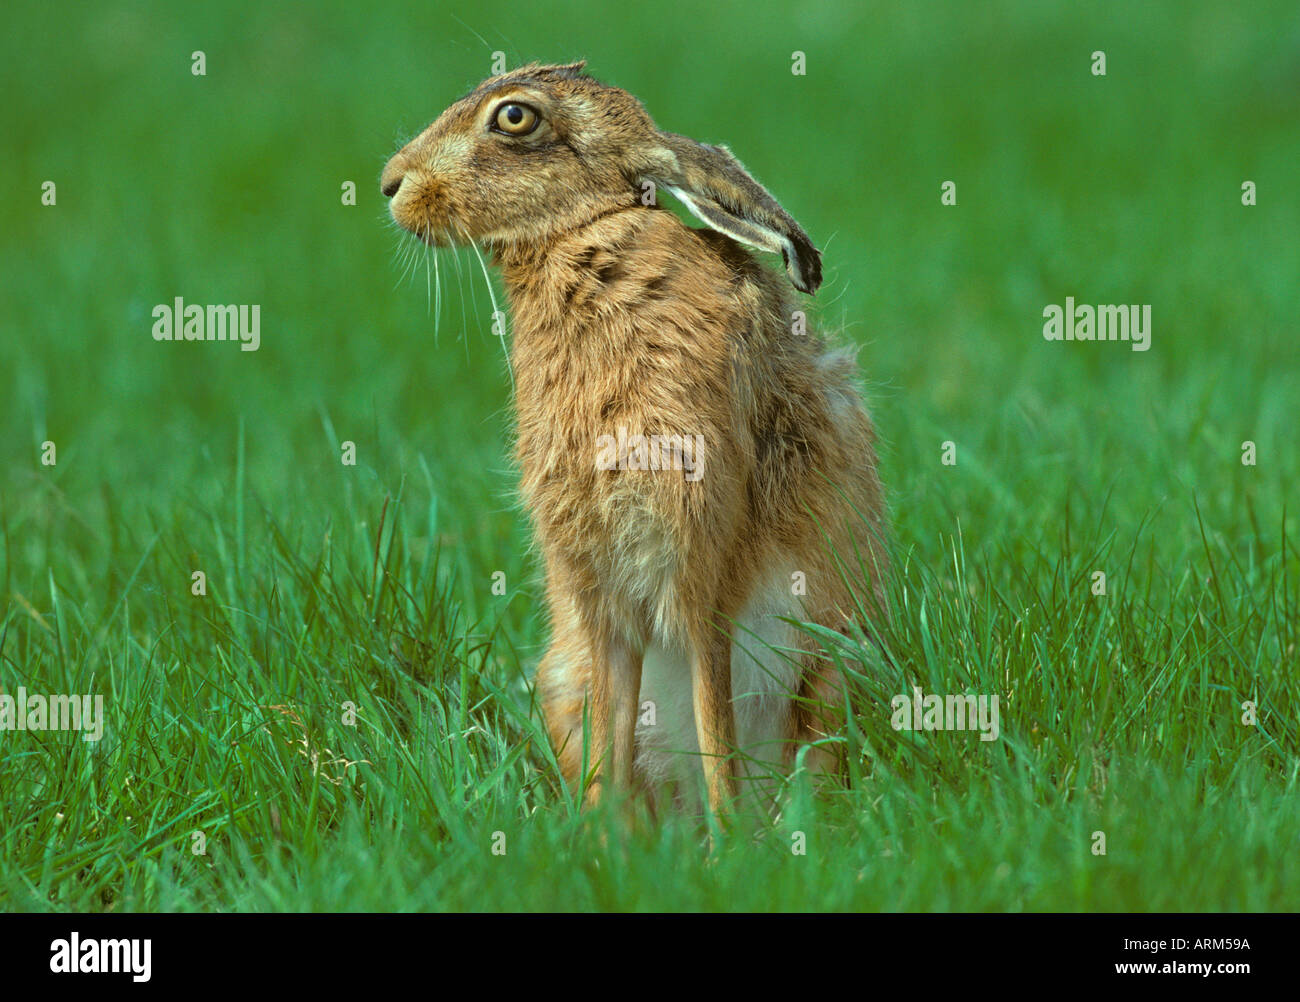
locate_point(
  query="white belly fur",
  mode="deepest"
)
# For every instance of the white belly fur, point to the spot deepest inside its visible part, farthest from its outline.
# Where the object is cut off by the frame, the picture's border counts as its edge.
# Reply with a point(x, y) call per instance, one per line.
point(764, 676)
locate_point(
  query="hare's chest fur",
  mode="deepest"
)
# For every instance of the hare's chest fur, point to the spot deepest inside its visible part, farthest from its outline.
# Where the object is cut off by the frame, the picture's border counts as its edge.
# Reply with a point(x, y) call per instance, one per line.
point(612, 517)
point(632, 461)
point(629, 454)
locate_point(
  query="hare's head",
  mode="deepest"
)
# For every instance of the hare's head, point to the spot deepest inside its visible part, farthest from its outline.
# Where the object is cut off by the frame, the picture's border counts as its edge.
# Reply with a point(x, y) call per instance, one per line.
point(545, 149)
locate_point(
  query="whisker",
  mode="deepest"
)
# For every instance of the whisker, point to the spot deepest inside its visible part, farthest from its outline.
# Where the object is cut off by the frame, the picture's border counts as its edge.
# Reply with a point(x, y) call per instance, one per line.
point(428, 290)
point(474, 33)
point(408, 249)
point(437, 295)
point(505, 348)
point(460, 287)
point(404, 255)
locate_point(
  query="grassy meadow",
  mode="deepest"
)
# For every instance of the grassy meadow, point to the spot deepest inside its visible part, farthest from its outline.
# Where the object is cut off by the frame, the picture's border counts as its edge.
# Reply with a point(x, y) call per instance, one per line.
point(228, 778)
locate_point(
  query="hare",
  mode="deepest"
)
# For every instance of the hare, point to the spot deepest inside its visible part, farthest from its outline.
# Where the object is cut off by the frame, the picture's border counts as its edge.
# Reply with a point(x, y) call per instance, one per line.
point(698, 468)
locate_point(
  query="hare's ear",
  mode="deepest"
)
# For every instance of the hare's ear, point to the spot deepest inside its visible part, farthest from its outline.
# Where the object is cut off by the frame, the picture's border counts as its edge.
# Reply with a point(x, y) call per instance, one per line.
point(717, 189)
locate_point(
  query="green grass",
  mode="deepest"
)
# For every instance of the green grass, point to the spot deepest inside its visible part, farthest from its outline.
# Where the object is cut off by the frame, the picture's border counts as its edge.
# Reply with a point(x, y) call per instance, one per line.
point(373, 584)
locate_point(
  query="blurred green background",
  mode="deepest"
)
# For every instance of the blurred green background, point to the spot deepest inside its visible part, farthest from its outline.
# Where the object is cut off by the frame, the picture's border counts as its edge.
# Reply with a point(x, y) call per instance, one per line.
point(226, 189)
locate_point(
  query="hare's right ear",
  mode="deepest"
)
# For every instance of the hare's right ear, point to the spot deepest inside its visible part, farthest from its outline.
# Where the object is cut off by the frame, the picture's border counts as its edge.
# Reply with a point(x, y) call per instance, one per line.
point(718, 191)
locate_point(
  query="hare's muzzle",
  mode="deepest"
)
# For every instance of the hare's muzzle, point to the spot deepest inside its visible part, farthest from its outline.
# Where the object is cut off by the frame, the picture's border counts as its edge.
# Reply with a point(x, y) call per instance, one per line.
point(417, 199)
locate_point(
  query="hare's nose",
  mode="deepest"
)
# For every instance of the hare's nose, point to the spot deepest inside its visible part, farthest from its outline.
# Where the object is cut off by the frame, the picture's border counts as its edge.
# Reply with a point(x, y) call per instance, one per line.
point(391, 179)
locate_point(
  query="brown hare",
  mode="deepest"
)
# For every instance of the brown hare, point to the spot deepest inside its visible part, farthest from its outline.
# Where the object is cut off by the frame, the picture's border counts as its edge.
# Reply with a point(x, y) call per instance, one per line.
point(692, 458)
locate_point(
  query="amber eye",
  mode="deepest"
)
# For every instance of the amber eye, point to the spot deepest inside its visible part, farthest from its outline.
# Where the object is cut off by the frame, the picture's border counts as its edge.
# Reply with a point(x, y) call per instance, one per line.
point(515, 119)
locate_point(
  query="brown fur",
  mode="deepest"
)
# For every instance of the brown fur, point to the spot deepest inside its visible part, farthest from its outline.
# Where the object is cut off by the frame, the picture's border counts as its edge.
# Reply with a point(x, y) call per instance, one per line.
point(624, 316)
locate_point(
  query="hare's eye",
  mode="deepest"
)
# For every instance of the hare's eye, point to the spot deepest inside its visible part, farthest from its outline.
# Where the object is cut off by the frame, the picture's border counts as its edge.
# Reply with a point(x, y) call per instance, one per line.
point(515, 119)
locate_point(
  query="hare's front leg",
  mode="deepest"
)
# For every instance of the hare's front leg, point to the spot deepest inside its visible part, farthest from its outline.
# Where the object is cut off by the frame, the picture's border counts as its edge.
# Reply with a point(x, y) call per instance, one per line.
point(563, 684)
point(589, 676)
point(616, 685)
point(715, 718)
